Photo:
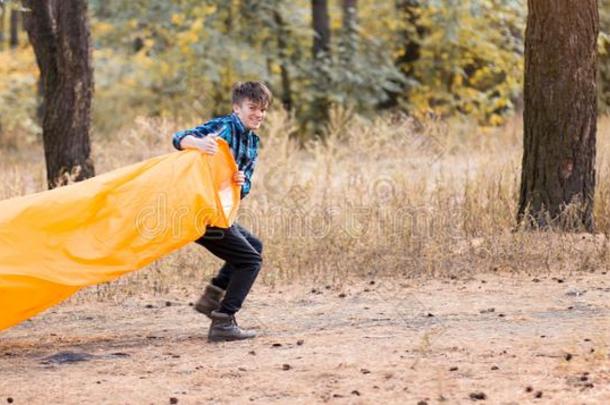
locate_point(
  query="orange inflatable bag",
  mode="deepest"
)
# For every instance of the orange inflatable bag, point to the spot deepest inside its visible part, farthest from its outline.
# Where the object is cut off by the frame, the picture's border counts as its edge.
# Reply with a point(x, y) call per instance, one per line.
point(55, 242)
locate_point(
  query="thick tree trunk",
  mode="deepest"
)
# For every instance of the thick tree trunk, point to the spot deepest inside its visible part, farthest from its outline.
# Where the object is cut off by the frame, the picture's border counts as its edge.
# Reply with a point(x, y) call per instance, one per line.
point(59, 33)
point(322, 60)
point(14, 28)
point(604, 58)
point(560, 116)
point(40, 100)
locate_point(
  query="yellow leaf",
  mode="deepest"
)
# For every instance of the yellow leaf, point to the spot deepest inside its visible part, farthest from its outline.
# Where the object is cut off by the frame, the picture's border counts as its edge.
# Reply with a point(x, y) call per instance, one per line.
point(177, 19)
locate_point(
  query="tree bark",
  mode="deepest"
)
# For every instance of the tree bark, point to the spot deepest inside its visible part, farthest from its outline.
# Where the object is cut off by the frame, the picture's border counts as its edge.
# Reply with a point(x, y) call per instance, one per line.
point(410, 37)
point(321, 60)
point(2, 14)
point(321, 27)
point(560, 116)
point(350, 30)
point(59, 33)
point(604, 59)
point(14, 29)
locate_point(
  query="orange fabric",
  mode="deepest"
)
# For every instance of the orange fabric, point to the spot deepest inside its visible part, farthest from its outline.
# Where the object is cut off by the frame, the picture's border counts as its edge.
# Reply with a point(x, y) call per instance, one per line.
point(55, 242)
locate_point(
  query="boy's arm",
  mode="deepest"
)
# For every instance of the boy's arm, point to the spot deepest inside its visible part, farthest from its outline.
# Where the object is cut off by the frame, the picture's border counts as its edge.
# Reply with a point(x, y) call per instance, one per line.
point(197, 132)
point(192, 137)
point(207, 144)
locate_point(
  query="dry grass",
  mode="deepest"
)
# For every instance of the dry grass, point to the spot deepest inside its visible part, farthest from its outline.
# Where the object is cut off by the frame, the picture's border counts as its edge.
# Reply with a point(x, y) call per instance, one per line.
point(385, 198)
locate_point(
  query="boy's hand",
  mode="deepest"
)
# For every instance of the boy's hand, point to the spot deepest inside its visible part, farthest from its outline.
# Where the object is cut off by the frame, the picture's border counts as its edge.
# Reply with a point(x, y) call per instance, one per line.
point(239, 178)
point(206, 145)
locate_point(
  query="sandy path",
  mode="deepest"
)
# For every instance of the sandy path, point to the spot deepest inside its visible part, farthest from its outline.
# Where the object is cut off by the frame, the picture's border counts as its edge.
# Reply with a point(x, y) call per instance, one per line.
point(433, 341)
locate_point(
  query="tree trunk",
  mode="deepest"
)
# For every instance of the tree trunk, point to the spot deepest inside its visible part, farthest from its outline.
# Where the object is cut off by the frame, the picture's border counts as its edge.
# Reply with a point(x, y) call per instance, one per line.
point(321, 60)
point(560, 117)
point(350, 30)
point(14, 29)
point(604, 58)
point(410, 37)
point(59, 33)
point(282, 34)
point(220, 95)
point(321, 27)
point(2, 14)
point(40, 100)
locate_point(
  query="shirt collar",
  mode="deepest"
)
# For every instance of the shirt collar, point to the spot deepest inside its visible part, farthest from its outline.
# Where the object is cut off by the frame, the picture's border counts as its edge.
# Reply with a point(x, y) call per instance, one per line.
point(241, 127)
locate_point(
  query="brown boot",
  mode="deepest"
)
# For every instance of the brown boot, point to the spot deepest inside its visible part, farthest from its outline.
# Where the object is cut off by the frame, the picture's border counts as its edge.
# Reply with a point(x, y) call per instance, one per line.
point(210, 300)
point(224, 328)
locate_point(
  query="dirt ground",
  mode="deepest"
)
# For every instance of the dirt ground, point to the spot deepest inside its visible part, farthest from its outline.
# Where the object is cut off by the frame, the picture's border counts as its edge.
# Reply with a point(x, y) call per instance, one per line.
point(493, 338)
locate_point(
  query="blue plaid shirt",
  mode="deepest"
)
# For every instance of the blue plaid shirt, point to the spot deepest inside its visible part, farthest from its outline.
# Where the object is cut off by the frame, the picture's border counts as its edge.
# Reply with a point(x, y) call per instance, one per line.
point(244, 143)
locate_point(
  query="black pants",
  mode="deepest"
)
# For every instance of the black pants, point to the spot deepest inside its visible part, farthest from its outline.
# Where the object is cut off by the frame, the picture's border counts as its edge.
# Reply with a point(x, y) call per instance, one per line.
point(241, 252)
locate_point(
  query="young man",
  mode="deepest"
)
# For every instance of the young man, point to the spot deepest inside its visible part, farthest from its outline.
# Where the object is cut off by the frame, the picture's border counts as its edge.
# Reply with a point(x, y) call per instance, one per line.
point(240, 250)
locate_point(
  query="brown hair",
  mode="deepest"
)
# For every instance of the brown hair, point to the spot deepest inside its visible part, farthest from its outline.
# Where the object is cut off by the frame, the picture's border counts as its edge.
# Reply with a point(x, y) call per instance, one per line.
point(257, 92)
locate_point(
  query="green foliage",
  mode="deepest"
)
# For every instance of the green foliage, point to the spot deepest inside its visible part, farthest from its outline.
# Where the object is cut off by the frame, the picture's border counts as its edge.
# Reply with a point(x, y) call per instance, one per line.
point(179, 58)
point(365, 71)
point(471, 58)
point(190, 52)
point(18, 101)
point(184, 55)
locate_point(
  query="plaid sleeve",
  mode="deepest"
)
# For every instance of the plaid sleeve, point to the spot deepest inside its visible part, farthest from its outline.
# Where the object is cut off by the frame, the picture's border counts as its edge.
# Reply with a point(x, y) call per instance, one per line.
point(199, 132)
point(225, 132)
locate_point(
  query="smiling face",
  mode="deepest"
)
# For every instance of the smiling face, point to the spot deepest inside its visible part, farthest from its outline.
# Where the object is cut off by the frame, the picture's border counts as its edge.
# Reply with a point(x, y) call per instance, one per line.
point(250, 113)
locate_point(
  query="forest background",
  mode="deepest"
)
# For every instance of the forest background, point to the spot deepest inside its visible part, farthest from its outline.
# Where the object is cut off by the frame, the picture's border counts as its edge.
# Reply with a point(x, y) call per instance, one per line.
point(177, 59)
point(399, 127)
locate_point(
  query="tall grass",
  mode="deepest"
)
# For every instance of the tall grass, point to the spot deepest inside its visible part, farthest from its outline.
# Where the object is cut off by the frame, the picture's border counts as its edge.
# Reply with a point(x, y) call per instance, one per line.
point(383, 198)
